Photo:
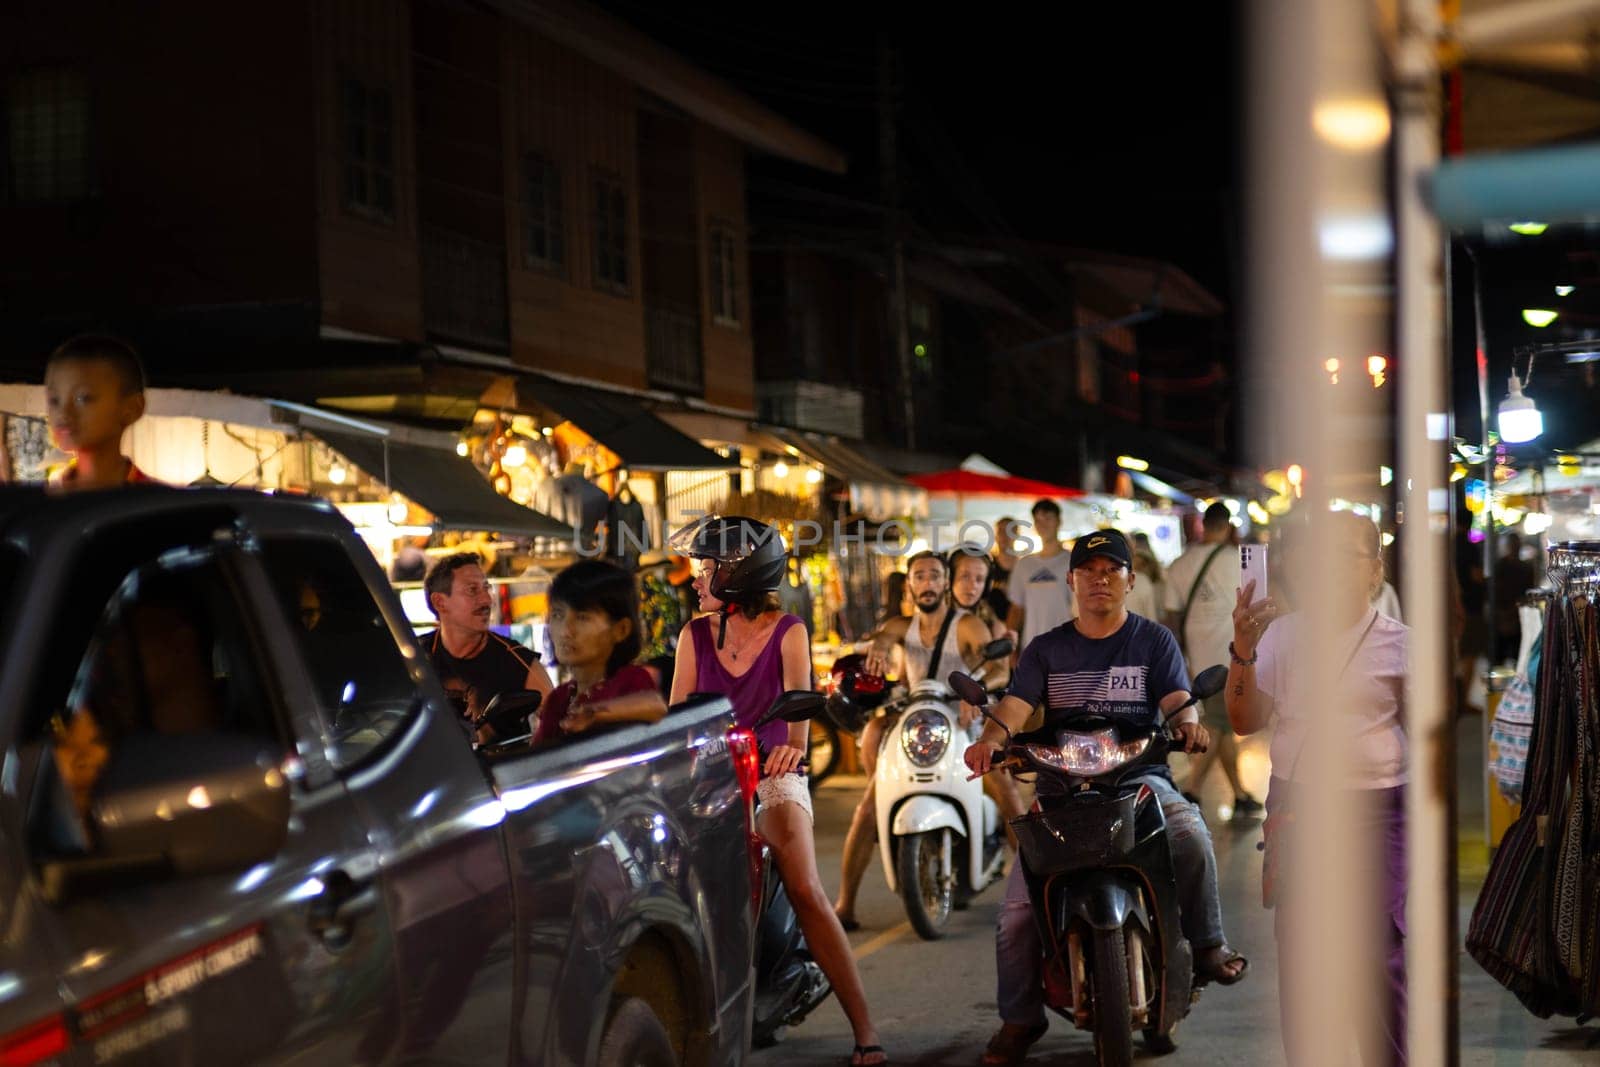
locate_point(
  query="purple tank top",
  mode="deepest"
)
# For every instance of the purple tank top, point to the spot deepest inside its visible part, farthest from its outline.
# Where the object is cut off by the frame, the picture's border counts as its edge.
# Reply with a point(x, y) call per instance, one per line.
point(752, 692)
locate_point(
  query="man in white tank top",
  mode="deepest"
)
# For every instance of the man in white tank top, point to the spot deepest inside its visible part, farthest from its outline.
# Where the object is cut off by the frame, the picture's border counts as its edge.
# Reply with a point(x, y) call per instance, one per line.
point(936, 624)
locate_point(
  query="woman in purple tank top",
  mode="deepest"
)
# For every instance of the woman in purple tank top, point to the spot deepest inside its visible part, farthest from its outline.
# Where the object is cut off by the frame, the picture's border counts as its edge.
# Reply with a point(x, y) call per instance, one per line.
point(749, 650)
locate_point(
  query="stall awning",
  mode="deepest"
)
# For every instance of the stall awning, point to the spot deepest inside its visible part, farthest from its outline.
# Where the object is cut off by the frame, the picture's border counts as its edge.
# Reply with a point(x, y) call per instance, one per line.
point(839, 460)
point(441, 481)
point(874, 490)
point(624, 425)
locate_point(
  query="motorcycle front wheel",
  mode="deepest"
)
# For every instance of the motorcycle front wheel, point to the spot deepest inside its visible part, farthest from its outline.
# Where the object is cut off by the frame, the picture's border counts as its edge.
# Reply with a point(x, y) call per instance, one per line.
point(924, 889)
point(1113, 1011)
point(824, 752)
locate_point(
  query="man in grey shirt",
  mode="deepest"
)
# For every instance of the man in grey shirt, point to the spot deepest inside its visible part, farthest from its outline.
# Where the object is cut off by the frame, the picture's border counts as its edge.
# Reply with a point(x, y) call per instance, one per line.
point(1041, 585)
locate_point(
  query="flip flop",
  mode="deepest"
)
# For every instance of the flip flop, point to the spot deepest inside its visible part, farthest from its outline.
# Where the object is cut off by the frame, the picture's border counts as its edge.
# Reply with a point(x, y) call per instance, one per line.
point(861, 1052)
point(850, 925)
point(1218, 971)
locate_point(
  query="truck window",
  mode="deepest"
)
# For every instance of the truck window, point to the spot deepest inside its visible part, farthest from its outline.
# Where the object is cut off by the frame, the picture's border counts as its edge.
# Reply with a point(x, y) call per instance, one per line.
point(365, 693)
point(170, 656)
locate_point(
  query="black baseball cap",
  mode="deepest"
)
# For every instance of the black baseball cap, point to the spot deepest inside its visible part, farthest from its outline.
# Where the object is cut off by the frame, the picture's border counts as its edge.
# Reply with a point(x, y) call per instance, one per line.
point(1108, 543)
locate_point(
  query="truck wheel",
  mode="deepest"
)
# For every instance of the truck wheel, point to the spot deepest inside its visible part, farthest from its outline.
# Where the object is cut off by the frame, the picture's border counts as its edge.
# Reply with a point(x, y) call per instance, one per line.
point(1113, 1014)
point(924, 889)
point(634, 1037)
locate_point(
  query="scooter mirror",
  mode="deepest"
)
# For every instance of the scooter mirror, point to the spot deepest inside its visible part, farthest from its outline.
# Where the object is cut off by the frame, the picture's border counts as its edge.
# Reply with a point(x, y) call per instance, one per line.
point(512, 703)
point(968, 688)
point(1209, 682)
point(796, 705)
point(998, 649)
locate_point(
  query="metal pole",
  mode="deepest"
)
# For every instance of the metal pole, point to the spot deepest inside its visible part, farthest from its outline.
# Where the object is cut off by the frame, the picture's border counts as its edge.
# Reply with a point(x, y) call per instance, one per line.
point(1482, 361)
point(1423, 440)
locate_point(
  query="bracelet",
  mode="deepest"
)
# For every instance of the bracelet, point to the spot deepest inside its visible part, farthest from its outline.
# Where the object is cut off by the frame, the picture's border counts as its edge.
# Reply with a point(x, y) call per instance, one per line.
point(1251, 662)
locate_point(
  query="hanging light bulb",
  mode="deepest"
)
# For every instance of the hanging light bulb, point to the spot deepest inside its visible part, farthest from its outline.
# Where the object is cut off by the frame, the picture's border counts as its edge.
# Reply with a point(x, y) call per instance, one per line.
point(1520, 420)
point(462, 449)
point(814, 475)
point(781, 469)
point(337, 474)
point(516, 455)
point(398, 512)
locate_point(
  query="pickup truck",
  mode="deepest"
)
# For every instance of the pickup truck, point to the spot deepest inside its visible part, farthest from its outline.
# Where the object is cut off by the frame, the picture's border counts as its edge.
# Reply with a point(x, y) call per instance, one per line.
point(240, 821)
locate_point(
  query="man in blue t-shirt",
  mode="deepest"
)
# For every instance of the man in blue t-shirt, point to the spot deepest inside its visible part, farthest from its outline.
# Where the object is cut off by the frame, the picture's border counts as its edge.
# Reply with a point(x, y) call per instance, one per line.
point(1107, 662)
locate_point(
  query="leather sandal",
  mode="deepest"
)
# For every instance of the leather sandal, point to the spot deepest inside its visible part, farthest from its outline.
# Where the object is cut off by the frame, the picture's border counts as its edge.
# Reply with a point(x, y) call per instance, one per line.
point(859, 1054)
point(1010, 1044)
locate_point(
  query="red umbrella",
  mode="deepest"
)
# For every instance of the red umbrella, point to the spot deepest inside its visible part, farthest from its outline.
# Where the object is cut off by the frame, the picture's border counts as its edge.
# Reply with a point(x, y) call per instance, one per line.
point(975, 483)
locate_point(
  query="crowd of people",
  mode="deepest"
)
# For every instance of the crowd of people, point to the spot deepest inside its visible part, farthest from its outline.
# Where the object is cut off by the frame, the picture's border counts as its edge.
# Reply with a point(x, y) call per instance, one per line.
point(1087, 617)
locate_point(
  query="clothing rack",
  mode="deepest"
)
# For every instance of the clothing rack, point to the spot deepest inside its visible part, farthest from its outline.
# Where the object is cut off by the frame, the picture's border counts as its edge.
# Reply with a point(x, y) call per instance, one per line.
point(1574, 567)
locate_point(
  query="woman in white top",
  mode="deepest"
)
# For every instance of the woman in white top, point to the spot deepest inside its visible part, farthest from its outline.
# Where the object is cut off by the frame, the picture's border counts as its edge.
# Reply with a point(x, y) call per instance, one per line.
point(1269, 682)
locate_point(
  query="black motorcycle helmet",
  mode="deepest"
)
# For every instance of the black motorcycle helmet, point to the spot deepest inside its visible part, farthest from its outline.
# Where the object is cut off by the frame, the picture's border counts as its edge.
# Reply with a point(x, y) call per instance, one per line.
point(750, 556)
point(967, 548)
point(854, 694)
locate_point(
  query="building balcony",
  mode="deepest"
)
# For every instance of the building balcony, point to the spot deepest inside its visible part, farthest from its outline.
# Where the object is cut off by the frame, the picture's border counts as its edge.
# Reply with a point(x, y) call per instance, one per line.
point(814, 406)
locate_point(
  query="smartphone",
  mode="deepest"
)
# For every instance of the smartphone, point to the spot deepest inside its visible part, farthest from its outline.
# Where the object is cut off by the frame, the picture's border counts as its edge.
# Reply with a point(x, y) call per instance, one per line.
point(1253, 568)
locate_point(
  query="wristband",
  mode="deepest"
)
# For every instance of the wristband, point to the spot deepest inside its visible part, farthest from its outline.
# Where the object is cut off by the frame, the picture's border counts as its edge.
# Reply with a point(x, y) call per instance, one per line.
point(1251, 662)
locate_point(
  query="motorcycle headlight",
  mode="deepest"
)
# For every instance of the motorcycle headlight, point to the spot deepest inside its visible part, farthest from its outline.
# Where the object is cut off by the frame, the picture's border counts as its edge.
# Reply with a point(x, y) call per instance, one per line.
point(1089, 755)
point(925, 735)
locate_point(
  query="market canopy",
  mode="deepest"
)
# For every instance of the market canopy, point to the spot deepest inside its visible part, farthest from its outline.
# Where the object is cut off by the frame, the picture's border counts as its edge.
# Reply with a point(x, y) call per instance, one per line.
point(964, 482)
point(438, 479)
point(874, 490)
point(640, 438)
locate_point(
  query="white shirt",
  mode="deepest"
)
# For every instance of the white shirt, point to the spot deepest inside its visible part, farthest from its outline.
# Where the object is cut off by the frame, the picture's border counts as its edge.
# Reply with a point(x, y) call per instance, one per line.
point(919, 656)
point(1370, 694)
point(1209, 627)
point(1044, 589)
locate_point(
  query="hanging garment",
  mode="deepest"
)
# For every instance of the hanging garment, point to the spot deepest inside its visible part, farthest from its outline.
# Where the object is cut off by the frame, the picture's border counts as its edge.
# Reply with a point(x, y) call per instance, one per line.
point(1536, 925)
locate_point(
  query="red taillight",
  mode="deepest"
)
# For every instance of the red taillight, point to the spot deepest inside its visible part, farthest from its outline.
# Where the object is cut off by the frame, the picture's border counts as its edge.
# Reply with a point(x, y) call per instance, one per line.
point(35, 1043)
point(746, 755)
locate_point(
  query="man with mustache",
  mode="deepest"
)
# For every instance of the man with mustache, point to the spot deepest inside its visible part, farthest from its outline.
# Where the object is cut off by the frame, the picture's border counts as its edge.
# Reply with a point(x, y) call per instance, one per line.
point(474, 663)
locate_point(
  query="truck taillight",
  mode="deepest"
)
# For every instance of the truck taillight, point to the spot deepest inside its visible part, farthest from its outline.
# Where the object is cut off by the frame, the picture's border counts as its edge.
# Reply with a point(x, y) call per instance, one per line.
point(34, 1044)
point(746, 755)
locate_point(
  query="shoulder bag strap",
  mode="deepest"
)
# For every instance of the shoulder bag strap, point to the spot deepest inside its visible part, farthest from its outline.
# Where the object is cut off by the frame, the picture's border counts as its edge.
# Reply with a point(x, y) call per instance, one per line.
point(938, 644)
point(1183, 619)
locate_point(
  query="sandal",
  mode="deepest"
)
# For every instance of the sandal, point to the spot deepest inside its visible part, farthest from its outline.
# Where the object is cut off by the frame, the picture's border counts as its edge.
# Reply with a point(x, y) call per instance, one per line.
point(1217, 969)
point(859, 1054)
point(850, 925)
point(1010, 1044)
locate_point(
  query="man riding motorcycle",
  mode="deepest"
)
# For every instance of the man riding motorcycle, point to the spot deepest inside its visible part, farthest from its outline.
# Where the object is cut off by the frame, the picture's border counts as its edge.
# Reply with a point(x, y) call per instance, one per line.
point(1114, 664)
point(939, 637)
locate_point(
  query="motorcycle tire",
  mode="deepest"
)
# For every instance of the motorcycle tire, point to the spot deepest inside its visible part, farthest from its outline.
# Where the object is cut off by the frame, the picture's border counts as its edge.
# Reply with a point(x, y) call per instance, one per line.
point(927, 901)
point(826, 750)
point(1113, 1014)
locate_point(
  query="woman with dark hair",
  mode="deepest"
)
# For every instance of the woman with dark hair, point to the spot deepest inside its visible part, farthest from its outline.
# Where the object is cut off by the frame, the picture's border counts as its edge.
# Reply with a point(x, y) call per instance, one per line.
point(751, 651)
point(594, 622)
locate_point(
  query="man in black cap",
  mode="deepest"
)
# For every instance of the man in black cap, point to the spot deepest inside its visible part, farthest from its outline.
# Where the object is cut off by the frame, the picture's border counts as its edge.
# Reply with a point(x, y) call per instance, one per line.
point(1111, 663)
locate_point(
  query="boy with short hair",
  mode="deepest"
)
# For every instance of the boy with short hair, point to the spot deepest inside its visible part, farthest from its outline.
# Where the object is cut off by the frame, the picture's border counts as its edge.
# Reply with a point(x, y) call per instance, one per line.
point(94, 391)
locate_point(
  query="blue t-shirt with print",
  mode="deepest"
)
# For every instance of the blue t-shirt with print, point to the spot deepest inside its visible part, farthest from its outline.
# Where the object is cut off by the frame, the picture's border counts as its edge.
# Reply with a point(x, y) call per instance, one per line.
point(1124, 676)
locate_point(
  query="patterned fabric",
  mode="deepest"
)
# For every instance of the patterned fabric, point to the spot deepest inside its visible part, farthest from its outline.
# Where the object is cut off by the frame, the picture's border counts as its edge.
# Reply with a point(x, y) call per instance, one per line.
point(661, 614)
point(1513, 726)
point(1536, 925)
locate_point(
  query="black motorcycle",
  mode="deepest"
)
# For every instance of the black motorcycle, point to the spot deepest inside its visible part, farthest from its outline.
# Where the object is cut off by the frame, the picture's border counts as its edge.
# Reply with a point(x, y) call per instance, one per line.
point(789, 984)
point(1100, 875)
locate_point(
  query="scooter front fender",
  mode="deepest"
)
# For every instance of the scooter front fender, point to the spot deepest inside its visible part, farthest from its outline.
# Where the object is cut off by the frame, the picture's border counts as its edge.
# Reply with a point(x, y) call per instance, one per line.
point(1104, 901)
point(923, 813)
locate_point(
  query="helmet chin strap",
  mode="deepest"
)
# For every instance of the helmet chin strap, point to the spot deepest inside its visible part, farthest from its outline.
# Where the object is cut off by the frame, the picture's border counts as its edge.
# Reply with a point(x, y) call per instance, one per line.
point(722, 628)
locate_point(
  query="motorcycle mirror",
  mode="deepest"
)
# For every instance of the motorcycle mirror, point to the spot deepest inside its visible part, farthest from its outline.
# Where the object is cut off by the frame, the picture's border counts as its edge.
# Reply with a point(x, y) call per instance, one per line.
point(512, 703)
point(998, 649)
point(1209, 682)
point(796, 705)
point(968, 688)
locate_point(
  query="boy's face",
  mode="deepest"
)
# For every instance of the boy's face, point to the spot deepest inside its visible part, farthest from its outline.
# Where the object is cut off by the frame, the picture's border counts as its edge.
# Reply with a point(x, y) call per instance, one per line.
point(87, 406)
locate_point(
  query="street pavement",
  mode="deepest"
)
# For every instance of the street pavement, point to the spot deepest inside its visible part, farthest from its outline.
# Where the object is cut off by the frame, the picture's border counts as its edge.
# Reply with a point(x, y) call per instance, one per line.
point(934, 1002)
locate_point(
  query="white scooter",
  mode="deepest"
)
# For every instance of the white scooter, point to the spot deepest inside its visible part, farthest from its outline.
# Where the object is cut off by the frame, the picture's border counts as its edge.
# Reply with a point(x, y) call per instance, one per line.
point(940, 835)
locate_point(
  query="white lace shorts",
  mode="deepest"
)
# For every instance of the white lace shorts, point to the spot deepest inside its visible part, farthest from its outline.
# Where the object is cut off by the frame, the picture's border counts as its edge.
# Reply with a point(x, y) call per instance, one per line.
point(784, 789)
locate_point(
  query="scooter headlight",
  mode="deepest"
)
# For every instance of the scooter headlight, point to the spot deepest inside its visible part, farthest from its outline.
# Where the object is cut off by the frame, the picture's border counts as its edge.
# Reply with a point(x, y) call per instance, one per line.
point(1088, 755)
point(925, 735)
